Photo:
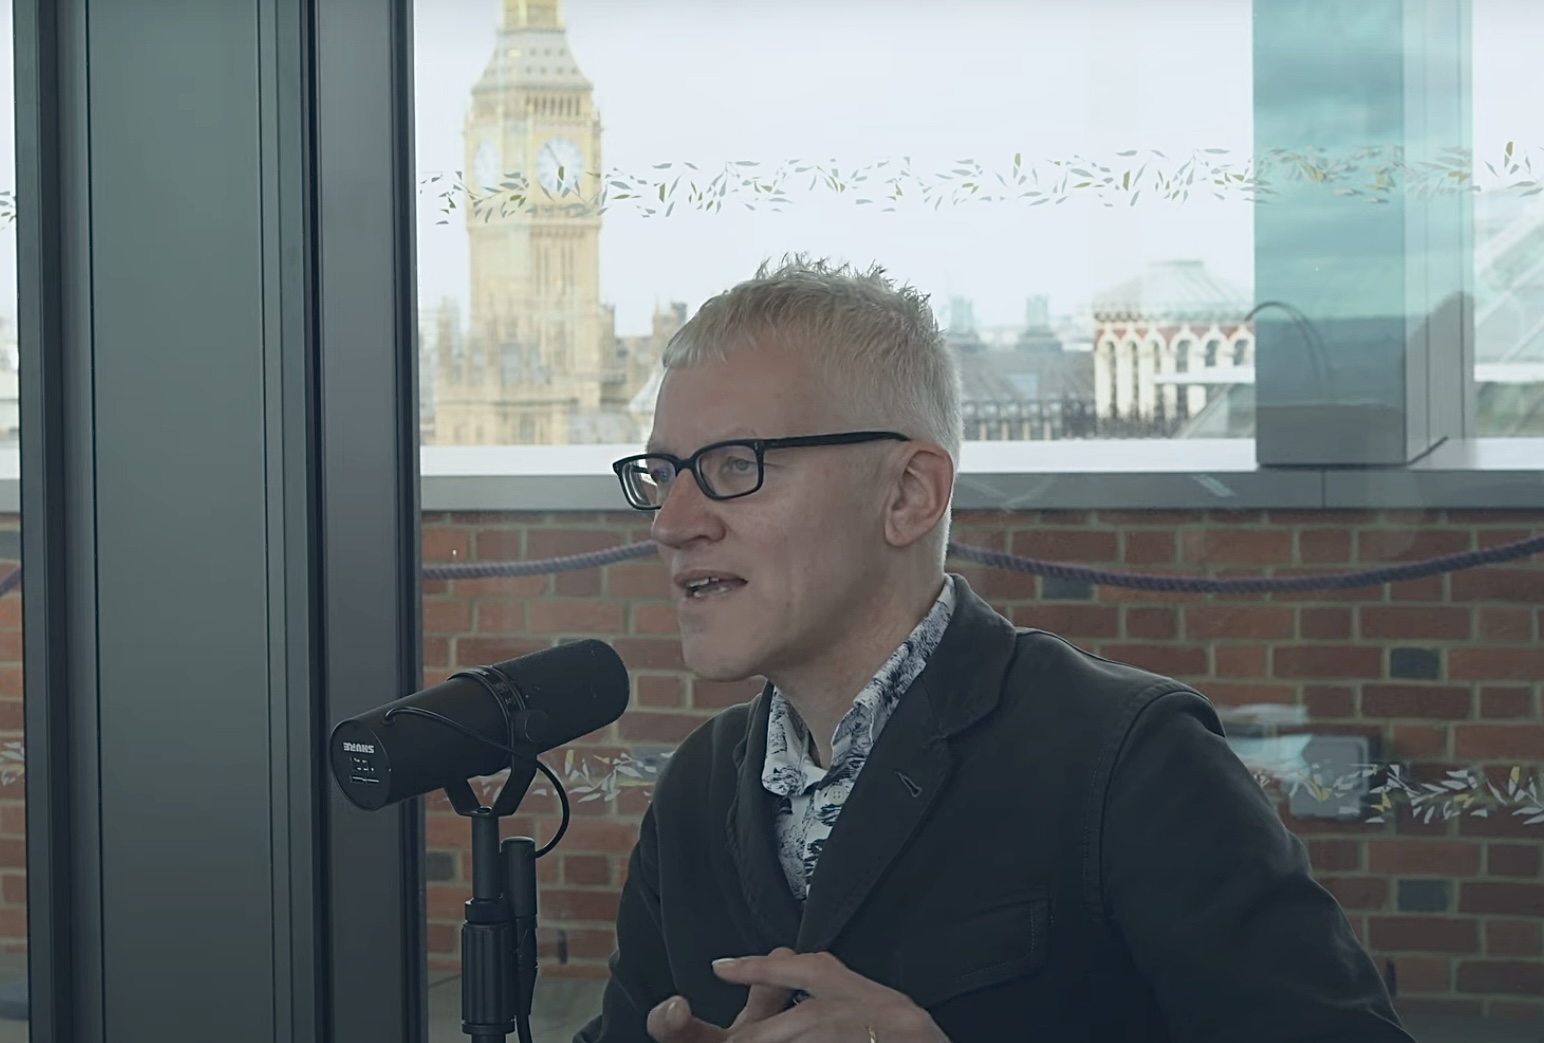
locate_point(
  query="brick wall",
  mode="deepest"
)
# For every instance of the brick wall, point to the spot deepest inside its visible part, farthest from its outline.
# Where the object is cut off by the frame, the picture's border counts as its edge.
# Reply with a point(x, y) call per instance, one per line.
point(1447, 670)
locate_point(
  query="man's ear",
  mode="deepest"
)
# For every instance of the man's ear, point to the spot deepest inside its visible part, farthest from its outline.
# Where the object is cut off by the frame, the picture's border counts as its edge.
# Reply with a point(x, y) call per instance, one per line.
point(919, 498)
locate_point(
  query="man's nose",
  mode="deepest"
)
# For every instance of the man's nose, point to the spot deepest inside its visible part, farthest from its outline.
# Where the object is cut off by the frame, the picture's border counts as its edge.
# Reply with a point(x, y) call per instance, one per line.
point(686, 513)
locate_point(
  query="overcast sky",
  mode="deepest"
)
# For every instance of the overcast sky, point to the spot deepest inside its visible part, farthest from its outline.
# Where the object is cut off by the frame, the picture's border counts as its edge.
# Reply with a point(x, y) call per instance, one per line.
point(860, 81)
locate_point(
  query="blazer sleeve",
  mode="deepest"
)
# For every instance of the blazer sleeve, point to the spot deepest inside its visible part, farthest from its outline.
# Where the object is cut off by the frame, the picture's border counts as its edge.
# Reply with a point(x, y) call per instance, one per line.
point(1215, 900)
point(640, 969)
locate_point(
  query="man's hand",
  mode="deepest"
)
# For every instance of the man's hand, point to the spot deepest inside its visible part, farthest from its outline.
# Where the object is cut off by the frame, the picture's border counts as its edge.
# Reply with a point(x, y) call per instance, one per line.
point(843, 1006)
point(673, 1021)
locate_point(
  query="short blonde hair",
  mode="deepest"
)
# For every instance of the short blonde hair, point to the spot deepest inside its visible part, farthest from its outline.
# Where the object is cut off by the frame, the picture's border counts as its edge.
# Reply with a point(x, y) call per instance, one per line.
point(878, 339)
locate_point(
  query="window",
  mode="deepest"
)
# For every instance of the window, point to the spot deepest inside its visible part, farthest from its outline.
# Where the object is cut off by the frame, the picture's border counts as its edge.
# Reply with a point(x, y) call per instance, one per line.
point(1100, 273)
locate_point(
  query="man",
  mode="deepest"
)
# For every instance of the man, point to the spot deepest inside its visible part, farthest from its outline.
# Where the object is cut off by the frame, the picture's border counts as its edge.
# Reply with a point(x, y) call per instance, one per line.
point(930, 825)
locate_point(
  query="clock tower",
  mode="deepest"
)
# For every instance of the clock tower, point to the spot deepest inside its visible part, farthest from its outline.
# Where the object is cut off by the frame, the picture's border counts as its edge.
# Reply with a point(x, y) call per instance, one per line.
point(540, 363)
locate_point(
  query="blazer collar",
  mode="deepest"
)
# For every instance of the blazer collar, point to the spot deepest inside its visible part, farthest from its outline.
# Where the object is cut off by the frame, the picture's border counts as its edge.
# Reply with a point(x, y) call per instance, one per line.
point(902, 778)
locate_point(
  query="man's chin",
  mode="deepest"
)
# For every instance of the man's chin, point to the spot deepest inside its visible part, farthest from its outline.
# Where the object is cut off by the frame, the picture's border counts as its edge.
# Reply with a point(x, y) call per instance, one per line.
point(712, 665)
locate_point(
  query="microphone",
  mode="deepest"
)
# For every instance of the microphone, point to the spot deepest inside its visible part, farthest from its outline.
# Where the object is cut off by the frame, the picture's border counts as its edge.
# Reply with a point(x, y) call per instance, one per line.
point(462, 727)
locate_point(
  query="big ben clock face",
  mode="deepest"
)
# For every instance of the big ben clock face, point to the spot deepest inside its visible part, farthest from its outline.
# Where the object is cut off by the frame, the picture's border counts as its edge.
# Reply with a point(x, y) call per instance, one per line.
point(560, 166)
point(485, 166)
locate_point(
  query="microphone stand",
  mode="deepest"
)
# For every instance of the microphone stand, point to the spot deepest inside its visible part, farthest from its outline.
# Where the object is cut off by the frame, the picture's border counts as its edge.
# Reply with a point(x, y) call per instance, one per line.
point(498, 939)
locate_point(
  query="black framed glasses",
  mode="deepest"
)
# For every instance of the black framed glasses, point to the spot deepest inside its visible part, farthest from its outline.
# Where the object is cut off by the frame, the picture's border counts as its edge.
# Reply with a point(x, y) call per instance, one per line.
point(724, 470)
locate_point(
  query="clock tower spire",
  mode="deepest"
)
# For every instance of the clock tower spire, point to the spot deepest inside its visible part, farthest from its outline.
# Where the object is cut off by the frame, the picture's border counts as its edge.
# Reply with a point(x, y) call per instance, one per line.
point(541, 363)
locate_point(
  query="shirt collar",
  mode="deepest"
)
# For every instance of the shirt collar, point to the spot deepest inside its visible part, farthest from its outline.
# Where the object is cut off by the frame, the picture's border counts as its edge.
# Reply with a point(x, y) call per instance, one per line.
point(789, 769)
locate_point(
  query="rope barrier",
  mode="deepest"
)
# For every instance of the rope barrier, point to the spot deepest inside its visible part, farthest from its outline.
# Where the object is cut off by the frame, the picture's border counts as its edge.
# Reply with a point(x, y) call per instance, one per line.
point(1371, 577)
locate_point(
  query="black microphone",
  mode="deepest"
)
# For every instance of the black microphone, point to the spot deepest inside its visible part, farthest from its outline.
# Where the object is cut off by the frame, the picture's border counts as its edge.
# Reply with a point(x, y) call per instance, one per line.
point(461, 728)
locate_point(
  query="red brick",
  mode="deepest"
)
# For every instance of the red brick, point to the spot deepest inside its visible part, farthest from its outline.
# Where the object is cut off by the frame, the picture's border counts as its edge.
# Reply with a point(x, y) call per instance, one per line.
point(1499, 583)
point(1489, 516)
point(560, 543)
point(559, 905)
point(1168, 519)
point(1445, 702)
point(1424, 974)
point(1422, 1006)
point(443, 938)
point(1510, 977)
point(1428, 589)
point(1515, 1011)
point(1331, 661)
point(13, 887)
point(1169, 660)
point(13, 819)
point(1209, 622)
point(10, 611)
point(1148, 548)
point(500, 617)
point(1514, 860)
point(576, 617)
point(445, 545)
point(1488, 664)
point(1357, 892)
point(1502, 701)
point(658, 727)
point(1424, 934)
point(447, 615)
point(1497, 824)
point(1406, 623)
point(480, 651)
point(10, 646)
point(13, 853)
point(1505, 625)
point(1073, 621)
point(597, 970)
point(501, 587)
point(10, 681)
point(446, 901)
point(1423, 857)
point(437, 655)
point(1238, 546)
point(1420, 741)
point(716, 695)
point(1382, 545)
point(1496, 741)
point(1324, 624)
point(659, 691)
point(577, 583)
point(650, 653)
point(1513, 938)
point(1241, 660)
point(1316, 546)
point(1335, 855)
point(600, 835)
point(1074, 545)
point(643, 580)
point(576, 943)
point(1228, 693)
point(587, 870)
point(1001, 584)
point(1152, 624)
point(1503, 899)
point(1329, 701)
point(501, 545)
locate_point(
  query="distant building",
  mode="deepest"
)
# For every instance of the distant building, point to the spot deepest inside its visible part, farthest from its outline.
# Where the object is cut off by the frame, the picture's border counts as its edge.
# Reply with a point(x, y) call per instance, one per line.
point(539, 361)
point(1166, 343)
point(1032, 391)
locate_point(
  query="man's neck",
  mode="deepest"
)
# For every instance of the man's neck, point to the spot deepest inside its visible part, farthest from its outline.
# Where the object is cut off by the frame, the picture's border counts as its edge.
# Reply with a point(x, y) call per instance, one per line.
point(823, 695)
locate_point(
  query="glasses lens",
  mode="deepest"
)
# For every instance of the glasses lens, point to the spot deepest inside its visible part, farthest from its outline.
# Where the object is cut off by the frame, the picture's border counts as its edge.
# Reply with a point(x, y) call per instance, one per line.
point(648, 480)
point(731, 470)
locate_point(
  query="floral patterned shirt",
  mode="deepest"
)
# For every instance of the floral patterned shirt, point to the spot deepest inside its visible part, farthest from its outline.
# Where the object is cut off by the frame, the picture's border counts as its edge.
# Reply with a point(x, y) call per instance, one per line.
point(811, 797)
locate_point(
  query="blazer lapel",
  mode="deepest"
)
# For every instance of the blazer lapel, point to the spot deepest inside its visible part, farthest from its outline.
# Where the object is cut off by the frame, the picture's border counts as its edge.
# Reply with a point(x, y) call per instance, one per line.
point(903, 776)
point(908, 767)
point(753, 837)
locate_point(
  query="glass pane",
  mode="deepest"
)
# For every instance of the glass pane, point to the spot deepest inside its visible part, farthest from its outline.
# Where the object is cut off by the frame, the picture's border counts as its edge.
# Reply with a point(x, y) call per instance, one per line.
point(13, 808)
point(1082, 303)
point(1508, 223)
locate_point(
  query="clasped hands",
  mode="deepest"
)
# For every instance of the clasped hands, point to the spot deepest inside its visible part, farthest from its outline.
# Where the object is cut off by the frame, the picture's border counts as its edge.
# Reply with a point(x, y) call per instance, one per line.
point(843, 1006)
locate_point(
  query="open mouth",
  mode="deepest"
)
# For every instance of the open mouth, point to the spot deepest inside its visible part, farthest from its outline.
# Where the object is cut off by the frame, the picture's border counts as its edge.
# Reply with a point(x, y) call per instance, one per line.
point(702, 587)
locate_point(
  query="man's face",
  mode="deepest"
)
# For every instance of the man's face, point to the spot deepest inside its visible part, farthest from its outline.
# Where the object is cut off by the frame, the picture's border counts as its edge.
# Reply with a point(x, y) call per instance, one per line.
point(800, 555)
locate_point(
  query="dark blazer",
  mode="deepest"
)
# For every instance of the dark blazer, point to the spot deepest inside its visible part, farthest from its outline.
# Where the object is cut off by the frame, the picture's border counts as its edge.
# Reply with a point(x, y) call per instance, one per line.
point(1044, 845)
